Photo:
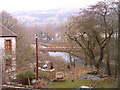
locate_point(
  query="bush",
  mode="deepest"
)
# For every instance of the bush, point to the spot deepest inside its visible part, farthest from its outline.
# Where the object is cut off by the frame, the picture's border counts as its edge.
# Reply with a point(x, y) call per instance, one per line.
point(23, 77)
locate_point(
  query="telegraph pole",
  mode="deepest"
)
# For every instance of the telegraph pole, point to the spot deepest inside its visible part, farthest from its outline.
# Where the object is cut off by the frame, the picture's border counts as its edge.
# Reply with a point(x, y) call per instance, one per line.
point(36, 58)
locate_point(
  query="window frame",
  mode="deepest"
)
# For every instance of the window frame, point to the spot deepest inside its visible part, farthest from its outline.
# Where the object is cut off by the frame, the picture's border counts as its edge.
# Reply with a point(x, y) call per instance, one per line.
point(8, 52)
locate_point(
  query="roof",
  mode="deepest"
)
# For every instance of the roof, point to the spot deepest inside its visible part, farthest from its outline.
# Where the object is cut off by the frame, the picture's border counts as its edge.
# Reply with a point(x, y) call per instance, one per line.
point(5, 32)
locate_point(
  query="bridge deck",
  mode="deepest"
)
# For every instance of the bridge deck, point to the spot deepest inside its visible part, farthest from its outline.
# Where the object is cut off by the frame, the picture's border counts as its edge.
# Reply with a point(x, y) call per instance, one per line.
point(60, 49)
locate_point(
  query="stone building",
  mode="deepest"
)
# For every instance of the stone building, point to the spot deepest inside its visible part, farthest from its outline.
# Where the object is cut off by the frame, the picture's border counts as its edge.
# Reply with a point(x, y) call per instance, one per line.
point(7, 48)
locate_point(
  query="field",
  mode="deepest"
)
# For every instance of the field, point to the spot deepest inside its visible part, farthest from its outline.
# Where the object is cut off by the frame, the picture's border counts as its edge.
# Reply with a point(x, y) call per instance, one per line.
point(77, 83)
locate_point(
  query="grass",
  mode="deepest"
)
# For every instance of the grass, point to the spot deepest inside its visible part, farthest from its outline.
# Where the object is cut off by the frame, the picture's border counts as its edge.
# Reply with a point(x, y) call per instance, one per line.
point(81, 82)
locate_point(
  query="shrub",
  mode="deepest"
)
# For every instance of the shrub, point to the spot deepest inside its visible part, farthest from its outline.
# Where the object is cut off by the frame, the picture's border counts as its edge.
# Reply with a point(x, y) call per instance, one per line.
point(23, 77)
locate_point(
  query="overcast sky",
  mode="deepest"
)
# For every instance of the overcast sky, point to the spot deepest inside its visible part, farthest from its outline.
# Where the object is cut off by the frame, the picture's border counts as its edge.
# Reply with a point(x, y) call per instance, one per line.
point(13, 5)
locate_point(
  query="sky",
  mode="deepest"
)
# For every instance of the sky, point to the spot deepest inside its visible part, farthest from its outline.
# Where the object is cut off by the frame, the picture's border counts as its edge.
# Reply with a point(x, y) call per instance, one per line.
point(14, 5)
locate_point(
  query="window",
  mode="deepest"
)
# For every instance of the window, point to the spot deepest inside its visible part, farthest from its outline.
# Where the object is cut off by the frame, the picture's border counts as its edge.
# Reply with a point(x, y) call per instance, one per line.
point(8, 47)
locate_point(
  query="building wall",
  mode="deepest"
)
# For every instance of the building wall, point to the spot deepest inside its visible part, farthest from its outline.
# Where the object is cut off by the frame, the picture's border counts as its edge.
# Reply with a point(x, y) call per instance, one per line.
point(2, 50)
point(1, 45)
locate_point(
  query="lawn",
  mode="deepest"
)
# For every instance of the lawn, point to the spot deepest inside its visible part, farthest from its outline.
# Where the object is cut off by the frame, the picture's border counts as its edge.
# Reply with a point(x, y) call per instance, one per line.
point(82, 82)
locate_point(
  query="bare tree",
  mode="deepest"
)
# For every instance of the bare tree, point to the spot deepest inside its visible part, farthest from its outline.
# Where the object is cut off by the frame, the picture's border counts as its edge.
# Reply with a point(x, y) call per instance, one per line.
point(92, 30)
point(8, 20)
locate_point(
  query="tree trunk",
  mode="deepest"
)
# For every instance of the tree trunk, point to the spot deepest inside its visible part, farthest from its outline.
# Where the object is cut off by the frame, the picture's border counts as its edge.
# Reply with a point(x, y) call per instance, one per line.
point(86, 60)
point(74, 63)
point(97, 65)
point(108, 61)
point(118, 44)
point(91, 61)
point(90, 56)
point(116, 59)
point(70, 58)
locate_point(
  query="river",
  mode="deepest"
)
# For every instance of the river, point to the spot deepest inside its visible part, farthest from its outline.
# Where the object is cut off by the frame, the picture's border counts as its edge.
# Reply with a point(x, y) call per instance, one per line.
point(65, 56)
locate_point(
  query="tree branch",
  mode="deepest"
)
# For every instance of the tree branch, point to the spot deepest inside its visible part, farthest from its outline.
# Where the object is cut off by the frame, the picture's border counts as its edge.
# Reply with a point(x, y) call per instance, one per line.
point(104, 42)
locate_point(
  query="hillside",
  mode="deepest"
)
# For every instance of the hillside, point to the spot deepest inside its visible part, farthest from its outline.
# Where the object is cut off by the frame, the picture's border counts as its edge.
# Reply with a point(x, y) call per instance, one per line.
point(39, 17)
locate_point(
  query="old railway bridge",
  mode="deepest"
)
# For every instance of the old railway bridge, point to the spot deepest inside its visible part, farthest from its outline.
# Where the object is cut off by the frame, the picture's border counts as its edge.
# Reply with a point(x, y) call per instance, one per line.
point(58, 47)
